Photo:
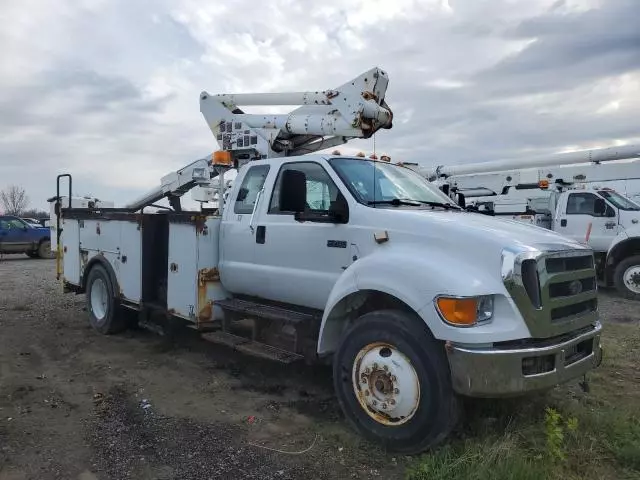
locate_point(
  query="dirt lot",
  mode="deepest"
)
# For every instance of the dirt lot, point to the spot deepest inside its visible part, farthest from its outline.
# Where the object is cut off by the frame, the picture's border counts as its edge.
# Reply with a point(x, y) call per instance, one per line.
point(77, 405)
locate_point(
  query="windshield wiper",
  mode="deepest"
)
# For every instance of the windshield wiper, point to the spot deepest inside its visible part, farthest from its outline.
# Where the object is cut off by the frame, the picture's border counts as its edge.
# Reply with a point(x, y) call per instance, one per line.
point(439, 204)
point(395, 202)
point(412, 203)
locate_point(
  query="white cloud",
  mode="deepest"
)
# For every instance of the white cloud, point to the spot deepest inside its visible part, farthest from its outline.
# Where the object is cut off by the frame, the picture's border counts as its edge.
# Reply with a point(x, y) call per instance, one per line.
point(108, 90)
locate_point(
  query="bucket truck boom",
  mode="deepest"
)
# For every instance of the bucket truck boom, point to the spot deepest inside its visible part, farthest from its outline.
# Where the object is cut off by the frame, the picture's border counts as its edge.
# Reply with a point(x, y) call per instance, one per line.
point(569, 158)
point(356, 109)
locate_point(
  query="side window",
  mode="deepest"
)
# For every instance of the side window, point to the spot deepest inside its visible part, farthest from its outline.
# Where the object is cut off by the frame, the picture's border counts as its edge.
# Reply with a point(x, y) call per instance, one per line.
point(581, 204)
point(11, 224)
point(321, 190)
point(18, 224)
point(251, 184)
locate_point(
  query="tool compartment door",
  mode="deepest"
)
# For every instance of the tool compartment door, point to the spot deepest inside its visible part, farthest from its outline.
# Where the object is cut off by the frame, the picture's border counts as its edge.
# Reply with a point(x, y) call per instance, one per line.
point(182, 275)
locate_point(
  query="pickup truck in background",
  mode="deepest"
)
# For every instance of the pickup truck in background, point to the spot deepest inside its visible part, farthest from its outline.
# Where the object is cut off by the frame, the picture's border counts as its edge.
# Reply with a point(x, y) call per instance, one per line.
point(18, 236)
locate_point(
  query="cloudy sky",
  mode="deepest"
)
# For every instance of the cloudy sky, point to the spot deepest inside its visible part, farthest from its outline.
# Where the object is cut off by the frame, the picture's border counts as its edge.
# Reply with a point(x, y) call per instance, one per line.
point(108, 89)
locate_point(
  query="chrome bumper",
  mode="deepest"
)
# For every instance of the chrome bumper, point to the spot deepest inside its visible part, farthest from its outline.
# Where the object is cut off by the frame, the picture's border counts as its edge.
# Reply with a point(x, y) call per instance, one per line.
point(511, 371)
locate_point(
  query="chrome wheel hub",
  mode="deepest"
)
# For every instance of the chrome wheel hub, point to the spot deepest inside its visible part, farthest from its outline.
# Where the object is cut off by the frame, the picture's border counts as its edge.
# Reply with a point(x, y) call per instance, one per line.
point(386, 384)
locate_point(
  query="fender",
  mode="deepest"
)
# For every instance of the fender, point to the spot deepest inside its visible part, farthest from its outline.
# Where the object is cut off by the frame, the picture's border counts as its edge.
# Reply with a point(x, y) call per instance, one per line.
point(102, 261)
point(625, 244)
point(632, 233)
point(415, 275)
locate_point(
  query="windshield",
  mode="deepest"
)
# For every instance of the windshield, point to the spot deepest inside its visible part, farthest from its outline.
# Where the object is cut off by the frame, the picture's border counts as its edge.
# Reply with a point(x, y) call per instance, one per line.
point(373, 182)
point(618, 200)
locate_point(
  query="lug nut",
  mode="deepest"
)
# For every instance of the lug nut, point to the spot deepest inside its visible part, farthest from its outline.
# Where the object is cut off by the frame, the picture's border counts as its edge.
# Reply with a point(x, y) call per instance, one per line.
point(386, 369)
point(384, 406)
point(367, 393)
point(375, 366)
point(393, 378)
point(392, 401)
point(396, 391)
point(374, 402)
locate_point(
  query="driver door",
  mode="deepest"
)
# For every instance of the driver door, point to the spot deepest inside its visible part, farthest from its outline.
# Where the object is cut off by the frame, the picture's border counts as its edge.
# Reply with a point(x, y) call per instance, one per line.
point(579, 213)
point(299, 262)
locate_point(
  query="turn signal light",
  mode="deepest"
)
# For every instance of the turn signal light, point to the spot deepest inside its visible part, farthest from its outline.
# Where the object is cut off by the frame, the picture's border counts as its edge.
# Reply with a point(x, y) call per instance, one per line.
point(544, 184)
point(221, 157)
point(458, 311)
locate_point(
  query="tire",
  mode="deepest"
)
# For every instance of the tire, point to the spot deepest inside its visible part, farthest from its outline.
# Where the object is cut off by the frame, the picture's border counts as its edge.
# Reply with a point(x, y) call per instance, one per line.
point(626, 277)
point(403, 344)
point(102, 305)
point(32, 254)
point(44, 249)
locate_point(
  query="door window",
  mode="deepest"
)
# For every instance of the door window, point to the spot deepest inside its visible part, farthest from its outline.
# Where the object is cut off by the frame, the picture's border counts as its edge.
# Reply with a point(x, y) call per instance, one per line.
point(12, 224)
point(584, 204)
point(321, 190)
point(251, 184)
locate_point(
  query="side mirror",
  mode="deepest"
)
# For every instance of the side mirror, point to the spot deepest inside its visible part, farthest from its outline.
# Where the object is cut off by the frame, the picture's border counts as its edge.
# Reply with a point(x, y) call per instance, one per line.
point(293, 191)
point(242, 194)
point(599, 207)
point(339, 210)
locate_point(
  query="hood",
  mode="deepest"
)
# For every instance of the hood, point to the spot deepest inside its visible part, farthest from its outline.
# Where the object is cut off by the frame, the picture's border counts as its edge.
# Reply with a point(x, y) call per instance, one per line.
point(629, 218)
point(475, 230)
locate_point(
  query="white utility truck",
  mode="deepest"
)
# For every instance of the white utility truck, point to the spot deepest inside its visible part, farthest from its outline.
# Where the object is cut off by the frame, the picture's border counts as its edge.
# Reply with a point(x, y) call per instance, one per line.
point(578, 206)
point(346, 260)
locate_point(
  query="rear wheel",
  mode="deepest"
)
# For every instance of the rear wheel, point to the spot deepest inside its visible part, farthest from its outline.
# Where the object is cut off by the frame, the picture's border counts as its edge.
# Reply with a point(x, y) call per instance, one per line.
point(393, 383)
point(102, 305)
point(627, 277)
point(44, 249)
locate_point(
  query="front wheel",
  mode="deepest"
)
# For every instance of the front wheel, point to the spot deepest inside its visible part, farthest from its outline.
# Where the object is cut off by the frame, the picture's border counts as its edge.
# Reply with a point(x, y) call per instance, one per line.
point(627, 277)
point(393, 384)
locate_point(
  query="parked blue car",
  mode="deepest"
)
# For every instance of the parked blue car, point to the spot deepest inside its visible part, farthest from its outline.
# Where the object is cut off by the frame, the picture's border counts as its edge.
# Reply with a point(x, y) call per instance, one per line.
point(18, 236)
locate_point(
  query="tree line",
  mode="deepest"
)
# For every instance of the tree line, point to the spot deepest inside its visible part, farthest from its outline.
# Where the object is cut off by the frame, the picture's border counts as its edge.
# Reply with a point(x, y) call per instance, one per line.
point(15, 201)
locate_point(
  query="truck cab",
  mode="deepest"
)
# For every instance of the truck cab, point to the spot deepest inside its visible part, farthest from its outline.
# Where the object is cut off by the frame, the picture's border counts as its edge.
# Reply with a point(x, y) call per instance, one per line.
point(19, 236)
point(602, 218)
point(610, 223)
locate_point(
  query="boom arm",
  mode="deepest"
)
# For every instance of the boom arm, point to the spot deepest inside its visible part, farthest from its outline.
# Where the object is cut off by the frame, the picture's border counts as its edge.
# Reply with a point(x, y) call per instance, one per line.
point(570, 158)
point(356, 109)
point(176, 184)
point(323, 119)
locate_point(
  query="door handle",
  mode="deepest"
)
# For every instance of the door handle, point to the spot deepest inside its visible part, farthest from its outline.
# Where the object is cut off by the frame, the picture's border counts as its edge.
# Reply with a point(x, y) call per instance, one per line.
point(610, 224)
point(563, 222)
point(261, 232)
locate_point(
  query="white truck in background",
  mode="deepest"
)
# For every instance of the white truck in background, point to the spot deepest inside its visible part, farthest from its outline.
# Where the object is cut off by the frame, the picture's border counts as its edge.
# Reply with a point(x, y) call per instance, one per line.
point(351, 261)
point(578, 206)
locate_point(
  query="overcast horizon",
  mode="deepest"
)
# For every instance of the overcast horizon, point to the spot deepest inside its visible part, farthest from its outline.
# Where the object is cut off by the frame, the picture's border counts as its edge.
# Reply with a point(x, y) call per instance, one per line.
point(108, 90)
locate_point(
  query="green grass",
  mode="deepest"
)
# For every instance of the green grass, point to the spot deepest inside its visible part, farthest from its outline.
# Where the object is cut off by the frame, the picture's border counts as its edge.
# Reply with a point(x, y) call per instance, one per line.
point(565, 434)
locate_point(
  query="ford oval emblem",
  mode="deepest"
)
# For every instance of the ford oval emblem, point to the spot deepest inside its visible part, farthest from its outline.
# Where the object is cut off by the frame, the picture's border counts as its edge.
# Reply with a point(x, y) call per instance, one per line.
point(575, 287)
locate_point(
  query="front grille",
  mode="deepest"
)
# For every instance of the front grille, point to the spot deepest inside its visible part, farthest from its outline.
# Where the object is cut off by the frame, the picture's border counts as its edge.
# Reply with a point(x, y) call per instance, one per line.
point(572, 287)
point(574, 309)
point(555, 291)
point(568, 264)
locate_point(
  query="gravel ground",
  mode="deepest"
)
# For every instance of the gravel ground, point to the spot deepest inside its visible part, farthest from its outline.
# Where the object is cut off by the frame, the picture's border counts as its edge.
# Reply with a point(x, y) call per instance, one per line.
point(78, 405)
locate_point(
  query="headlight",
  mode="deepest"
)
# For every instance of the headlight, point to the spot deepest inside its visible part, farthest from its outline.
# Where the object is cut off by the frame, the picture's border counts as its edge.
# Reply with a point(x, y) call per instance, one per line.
point(465, 311)
point(485, 308)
